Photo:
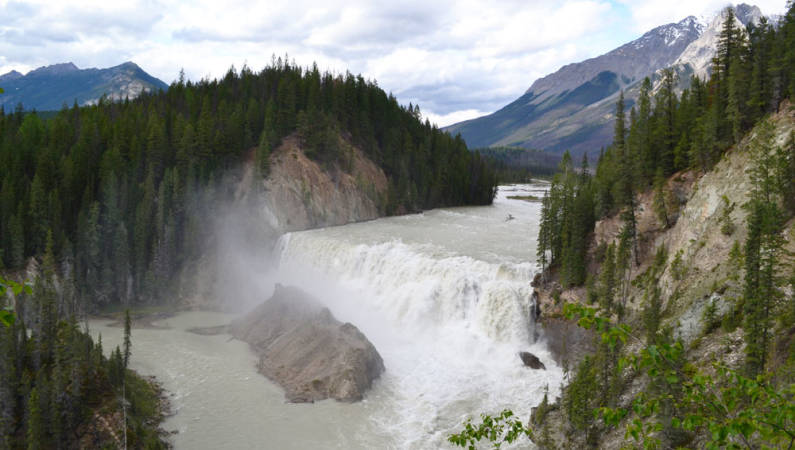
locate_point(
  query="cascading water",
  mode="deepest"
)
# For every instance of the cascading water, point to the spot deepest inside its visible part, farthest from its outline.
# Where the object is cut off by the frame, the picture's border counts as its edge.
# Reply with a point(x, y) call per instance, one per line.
point(446, 299)
point(444, 296)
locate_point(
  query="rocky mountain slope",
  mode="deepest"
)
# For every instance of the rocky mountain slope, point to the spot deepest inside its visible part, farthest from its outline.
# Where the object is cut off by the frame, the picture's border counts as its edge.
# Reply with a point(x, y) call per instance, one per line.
point(572, 109)
point(699, 274)
point(49, 88)
point(696, 59)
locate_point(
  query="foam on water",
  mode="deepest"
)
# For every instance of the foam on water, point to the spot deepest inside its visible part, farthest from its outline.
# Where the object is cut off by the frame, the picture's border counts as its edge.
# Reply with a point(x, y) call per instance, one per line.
point(447, 319)
point(444, 296)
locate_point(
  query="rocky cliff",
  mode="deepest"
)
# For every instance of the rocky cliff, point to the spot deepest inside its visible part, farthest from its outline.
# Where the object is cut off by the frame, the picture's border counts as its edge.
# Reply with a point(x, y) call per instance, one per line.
point(699, 273)
point(298, 194)
point(301, 193)
point(303, 348)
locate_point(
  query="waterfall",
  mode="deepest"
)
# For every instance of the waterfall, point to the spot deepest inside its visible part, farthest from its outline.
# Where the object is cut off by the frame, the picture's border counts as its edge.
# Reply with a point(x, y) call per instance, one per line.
point(448, 323)
point(421, 287)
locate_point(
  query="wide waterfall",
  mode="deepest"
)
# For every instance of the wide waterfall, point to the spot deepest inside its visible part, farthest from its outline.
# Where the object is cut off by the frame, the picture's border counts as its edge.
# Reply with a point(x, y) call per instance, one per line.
point(444, 296)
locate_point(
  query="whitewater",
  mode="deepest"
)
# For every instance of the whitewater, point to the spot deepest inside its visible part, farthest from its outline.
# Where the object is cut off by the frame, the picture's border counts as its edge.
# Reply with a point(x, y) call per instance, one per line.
point(444, 296)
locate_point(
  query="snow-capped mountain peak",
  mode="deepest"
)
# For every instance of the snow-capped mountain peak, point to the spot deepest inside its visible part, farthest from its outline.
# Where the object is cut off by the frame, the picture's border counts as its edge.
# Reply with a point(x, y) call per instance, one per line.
point(697, 57)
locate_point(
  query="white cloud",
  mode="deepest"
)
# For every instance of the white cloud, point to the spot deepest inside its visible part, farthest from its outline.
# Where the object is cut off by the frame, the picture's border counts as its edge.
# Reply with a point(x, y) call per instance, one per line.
point(454, 58)
point(443, 120)
point(651, 13)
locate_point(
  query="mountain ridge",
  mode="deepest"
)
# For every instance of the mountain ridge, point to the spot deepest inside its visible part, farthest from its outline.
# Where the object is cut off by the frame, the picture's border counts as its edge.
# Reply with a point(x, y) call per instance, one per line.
point(50, 87)
point(554, 115)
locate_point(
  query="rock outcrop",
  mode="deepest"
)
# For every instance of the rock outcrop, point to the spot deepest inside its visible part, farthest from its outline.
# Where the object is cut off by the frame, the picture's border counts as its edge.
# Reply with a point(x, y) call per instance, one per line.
point(304, 349)
point(530, 360)
point(302, 194)
point(298, 194)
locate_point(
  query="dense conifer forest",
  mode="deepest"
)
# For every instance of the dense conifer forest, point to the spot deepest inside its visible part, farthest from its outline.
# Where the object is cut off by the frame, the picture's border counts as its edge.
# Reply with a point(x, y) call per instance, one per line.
point(122, 188)
point(515, 165)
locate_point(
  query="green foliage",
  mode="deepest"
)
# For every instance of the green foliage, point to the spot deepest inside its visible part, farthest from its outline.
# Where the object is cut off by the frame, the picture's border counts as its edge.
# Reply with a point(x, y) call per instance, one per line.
point(667, 134)
point(727, 226)
point(503, 428)
point(678, 268)
point(709, 318)
point(516, 165)
point(751, 76)
point(730, 410)
point(660, 199)
point(7, 316)
point(127, 345)
point(764, 248)
point(54, 378)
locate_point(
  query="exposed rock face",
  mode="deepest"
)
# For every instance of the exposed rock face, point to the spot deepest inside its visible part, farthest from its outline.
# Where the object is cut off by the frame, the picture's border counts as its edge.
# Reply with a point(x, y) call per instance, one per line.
point(530, 360)
point(302, 194)
point(696, 59)
point(307, 351)
point(298, 194)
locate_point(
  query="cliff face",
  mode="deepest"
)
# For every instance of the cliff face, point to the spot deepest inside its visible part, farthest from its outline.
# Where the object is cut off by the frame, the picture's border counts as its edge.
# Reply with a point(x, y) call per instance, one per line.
point(699, 270)
point(301, 194)
point(298, 194)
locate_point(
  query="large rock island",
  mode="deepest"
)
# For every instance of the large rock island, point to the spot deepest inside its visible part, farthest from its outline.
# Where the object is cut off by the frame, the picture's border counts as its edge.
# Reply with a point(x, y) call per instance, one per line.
point(303, 348)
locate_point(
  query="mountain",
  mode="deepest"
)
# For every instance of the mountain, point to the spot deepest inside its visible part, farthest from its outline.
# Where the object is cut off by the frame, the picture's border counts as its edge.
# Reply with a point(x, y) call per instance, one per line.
point(696, 59)
point(572, 109)
point(49, 88)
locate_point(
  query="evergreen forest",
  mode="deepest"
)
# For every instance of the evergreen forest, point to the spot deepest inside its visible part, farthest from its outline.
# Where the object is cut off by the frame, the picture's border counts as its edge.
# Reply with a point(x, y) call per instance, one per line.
point(104, 204)
point(123, 188)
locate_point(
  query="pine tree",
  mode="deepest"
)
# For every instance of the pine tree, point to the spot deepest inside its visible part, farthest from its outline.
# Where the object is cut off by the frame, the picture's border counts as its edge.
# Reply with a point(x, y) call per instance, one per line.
point(659, 200)
point(665, 112)
point(127, 340)
point(607, 279)
point(619, 132)
point(544, 241)
point(763, 249)
point(38, 216)
point(645, 150)
point(36, 437)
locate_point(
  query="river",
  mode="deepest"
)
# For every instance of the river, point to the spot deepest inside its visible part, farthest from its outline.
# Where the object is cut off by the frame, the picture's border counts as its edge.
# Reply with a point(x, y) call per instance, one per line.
point(444, 296)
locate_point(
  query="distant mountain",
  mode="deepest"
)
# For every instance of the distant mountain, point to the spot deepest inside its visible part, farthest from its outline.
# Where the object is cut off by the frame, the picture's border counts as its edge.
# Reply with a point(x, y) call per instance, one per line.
point(572, 109)
point(49, 88)
point(696, 59)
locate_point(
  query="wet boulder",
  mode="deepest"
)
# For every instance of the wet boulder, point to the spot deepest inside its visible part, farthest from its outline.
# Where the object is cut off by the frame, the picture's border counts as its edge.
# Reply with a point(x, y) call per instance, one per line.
point(308, 352)
point(530, 360)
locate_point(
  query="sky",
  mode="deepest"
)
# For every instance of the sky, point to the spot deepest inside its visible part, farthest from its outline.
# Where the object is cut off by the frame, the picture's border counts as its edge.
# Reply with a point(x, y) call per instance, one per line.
point(457, 59)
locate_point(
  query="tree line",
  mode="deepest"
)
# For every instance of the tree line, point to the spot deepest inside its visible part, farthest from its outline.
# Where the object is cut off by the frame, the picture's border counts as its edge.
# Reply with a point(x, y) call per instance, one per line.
point(57, 388)
point(752, 73)
point(123, 188)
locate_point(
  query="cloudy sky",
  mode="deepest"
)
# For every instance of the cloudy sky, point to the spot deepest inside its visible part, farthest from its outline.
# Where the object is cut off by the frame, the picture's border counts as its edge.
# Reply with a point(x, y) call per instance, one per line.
point(457, 58)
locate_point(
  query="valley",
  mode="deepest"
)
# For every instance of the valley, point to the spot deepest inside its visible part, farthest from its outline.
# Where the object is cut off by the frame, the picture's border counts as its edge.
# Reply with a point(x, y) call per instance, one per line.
point(297, 257)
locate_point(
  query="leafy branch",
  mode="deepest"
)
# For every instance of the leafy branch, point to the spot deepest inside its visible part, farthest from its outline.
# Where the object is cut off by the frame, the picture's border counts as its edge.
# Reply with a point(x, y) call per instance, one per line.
point(504, 428)
point(735, 410)
point(7, 316)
